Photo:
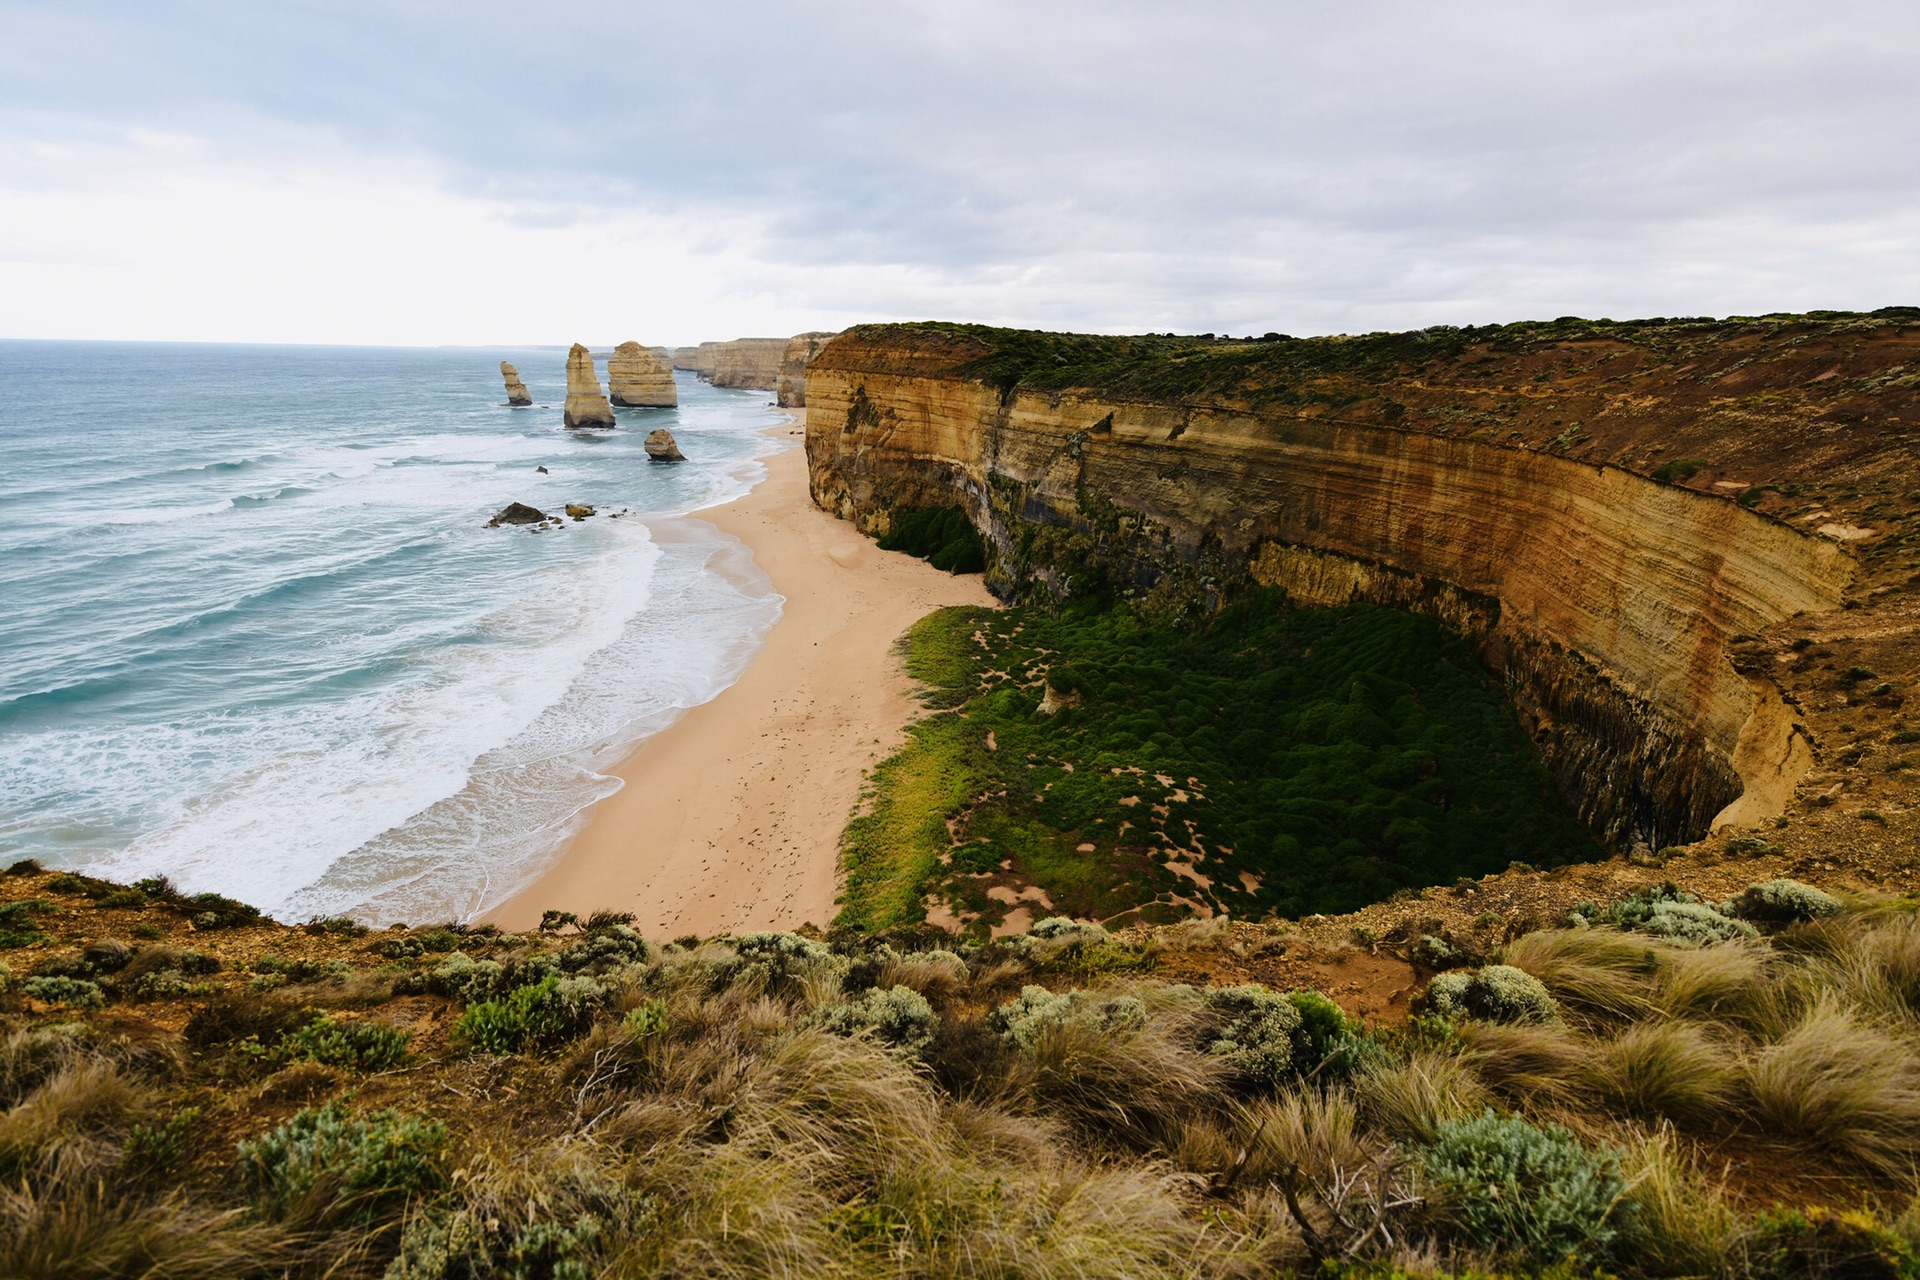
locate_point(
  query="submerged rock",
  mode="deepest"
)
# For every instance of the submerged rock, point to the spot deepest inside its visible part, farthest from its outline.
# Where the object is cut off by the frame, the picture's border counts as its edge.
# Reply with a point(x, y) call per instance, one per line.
point(636, 378)
point(661, 446)
point(517, 513)
point(586, 406)
point(517, 393)
point(579, 510)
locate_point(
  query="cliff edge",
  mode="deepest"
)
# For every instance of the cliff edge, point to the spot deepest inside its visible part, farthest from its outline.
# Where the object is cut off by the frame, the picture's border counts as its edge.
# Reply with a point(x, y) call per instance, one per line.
point(1681, 543)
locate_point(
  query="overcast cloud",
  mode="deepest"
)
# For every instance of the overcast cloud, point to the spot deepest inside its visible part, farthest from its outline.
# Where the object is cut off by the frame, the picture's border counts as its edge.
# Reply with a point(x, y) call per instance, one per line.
point(343, 171)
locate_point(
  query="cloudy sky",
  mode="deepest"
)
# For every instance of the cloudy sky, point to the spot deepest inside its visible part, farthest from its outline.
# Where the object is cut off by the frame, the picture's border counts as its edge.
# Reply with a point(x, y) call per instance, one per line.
point(481, 171)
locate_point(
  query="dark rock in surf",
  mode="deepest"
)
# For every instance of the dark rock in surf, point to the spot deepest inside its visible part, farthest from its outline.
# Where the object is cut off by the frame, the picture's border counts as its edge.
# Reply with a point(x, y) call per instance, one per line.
point(517, 513)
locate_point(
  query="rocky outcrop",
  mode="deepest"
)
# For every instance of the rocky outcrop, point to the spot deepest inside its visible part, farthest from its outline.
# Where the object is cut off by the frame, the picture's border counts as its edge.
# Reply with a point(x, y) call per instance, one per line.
point(661, 446)
point(748, 362)
point(790, 387)
point(517, 513)
point(1531, 488)
point(637, 380)
point(517, 393)
point(586, 406)
point(579, 510)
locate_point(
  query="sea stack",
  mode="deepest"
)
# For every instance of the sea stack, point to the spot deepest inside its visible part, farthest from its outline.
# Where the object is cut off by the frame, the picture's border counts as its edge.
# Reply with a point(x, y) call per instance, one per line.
point(517, 393)
point(586, 406)
point(661, 447)
point(635, 378)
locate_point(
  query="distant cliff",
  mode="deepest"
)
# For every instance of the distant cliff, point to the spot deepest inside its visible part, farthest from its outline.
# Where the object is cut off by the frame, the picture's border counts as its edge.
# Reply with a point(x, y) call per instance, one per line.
point(790, 390)
point(1633, 520)
point(748, 362)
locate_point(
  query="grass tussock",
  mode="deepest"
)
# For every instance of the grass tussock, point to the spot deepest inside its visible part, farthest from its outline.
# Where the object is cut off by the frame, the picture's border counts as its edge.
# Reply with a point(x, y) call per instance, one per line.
point(583, 1102)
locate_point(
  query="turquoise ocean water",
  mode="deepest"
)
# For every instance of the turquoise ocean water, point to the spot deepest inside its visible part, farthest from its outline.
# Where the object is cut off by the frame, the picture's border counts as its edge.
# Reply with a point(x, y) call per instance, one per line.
point(255, 636)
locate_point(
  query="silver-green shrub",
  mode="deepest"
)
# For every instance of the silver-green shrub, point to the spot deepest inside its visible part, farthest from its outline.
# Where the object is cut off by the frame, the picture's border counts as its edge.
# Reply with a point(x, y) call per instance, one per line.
point(897, 1016)
point(56, 989)
point(386, 1156)
point(1783, 902)
point(1024, 1020)
point(1257, 1032)
point(1496, 993)
point(1526, 1193)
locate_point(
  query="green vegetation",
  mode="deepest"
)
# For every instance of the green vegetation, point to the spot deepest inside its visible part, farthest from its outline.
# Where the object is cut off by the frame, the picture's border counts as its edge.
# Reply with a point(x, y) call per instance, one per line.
point(942, 536)
point(1678, 469)
point(1331, 371)
point(1273, 760)
point(1053, 1105)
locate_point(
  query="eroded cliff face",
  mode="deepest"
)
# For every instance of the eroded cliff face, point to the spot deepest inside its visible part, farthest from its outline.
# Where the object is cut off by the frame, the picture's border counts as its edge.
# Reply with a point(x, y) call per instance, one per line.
point(790, 389)
point(586, 405)
point(1619, 608)
point(748, 362)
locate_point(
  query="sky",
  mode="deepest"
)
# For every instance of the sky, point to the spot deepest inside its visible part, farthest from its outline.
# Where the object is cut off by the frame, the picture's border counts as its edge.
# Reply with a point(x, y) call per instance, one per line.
point(421, 173)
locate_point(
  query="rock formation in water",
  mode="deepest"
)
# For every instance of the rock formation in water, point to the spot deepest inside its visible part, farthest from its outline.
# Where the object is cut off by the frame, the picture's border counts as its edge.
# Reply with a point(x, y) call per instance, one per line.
point(579, 510)
point(636, 379)
point(1626, 518)
point(661, 446)
point(517, 393)
point(517, 513)
point(790, 387)
point(586, 406)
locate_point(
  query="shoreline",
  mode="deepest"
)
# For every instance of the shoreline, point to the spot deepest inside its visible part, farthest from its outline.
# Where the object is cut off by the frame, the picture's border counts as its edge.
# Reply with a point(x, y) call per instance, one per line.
point(730, 818)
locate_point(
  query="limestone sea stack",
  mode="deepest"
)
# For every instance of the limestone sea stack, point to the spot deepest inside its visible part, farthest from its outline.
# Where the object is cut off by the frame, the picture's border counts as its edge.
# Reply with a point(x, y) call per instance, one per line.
point(661, 447)
point(517, 393)
point(635, 378)
point(790, 391)
point(586, 406)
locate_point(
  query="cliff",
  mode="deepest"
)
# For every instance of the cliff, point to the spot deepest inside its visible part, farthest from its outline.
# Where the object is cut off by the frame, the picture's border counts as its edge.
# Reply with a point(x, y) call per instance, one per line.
point(586, 406)
point(517, 393)
point(1652, 530)
point(636, 379)
point(790, 386)
point(698, 359)
point(748, 362)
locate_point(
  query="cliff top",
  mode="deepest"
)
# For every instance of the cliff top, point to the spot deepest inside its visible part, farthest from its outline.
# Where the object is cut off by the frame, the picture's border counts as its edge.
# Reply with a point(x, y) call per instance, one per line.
point(1810, 418)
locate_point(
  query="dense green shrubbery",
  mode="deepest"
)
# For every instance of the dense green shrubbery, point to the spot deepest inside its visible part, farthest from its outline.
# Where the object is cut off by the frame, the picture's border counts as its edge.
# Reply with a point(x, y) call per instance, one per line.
point(541, 1014)
point(1331, 756)
point(1534, 1194)
point(385, 1156)
point(942, 536)
point(363, 1046)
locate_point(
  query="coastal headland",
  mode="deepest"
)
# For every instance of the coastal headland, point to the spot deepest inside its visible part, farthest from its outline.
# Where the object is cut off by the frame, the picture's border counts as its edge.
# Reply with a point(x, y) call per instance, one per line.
point(730, 818)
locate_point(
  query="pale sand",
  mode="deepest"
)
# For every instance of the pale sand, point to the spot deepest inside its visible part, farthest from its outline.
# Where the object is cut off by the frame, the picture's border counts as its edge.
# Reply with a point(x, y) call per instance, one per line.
point(730, 818)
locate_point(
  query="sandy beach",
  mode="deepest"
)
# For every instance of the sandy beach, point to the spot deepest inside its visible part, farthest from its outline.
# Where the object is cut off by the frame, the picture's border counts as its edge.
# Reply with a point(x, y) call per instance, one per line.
point(730, 818)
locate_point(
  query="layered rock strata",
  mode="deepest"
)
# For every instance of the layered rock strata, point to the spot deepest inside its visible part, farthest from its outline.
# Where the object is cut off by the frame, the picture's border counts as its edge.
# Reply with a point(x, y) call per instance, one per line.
point(699, 360)
point(662, 447)
point(748, 362)
point(517, 393)
point(1507, 485)
point(637, 380)
point(586, 405)
point(790, 388)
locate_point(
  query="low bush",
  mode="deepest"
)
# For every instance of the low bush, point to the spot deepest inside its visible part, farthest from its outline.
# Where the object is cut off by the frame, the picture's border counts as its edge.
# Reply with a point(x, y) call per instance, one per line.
point(1668, 912)
point(1496, 993)
point(1257, 1034)
point(214, 911)
point(898, 1016)
point(1531, 1194)
point(361, 1046)
point(78, 992)
point(1795, 1243)
point(1025, 1020)
point(18, 925)
point(1781, 902)
point(942, 536)
point(539, 1015)
point(385, 1157)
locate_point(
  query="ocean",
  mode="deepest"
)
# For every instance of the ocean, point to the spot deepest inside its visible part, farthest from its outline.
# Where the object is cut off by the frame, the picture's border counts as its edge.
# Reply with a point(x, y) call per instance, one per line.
point(255, 635)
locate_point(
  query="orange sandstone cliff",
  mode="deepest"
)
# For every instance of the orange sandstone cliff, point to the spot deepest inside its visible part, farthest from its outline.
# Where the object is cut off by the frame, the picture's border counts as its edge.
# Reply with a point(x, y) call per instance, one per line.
point(1688, 546)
